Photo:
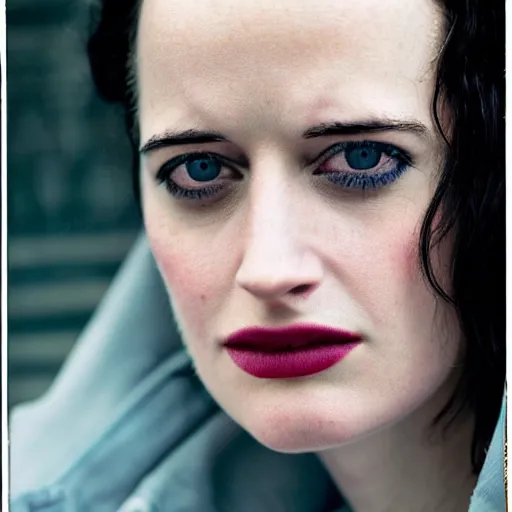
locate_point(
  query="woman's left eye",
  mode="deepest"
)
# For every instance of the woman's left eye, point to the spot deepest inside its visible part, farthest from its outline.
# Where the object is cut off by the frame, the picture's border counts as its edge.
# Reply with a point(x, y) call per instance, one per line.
point(363, 164)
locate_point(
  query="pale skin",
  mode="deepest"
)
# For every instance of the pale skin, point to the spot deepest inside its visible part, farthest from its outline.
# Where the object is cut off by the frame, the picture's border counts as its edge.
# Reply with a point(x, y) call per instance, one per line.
point(281, 244)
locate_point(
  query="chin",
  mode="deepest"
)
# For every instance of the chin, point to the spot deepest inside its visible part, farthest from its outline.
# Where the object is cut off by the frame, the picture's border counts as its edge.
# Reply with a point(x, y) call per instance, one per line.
point(315, 421)
point(301, 438)
point(296, 428)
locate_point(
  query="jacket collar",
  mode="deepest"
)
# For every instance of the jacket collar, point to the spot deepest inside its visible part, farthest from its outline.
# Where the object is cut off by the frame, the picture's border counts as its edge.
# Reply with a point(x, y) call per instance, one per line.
point(489, 494)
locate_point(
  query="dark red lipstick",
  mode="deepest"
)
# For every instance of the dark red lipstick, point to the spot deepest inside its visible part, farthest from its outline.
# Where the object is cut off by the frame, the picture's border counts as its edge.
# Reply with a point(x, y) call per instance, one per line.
point(293, 351)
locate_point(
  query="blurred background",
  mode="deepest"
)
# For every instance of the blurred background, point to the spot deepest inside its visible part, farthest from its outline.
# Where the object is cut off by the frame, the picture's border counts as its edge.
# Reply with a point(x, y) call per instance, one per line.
point(71, 212)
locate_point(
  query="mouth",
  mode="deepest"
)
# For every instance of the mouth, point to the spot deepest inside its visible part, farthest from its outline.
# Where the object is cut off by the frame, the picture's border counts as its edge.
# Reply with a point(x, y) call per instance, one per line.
point(292, 337)
point(293, 351)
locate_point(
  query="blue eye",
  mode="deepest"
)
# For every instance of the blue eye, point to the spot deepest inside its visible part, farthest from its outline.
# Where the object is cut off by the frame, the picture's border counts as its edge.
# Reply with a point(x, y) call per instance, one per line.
point(363, 158)
point(203, 169)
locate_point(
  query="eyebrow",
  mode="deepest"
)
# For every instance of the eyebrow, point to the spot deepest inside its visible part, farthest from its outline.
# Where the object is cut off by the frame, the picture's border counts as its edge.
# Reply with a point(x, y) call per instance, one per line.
point(384, 125)
point(169, 138)
point(181, 138)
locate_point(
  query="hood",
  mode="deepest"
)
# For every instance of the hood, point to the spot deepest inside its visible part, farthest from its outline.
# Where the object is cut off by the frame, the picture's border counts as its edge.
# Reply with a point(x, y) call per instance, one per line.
point(128, 427)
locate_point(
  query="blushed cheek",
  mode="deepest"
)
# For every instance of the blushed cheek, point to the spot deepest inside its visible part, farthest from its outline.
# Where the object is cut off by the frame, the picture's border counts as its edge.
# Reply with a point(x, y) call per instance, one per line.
point(394, 256)
point(392, 291)
point(192, 279)
point(406, 256)
point(405, 251)
point(419, 302)
point(183, 275)
point(176, 261)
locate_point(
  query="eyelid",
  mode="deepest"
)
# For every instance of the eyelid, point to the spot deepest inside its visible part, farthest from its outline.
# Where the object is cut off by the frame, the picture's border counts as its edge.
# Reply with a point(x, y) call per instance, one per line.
point(169, 166)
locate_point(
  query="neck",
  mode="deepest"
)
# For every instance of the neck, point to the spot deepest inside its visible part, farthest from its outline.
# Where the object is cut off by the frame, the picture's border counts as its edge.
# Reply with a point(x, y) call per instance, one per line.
point(407, 467)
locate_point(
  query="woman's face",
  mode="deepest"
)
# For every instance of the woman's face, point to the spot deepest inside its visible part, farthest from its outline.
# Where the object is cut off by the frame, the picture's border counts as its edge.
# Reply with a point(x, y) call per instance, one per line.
point(280, 227)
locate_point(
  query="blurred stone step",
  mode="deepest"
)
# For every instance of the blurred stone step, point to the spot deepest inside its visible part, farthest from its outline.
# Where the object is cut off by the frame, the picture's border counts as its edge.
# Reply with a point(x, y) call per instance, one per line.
point(49, 348)
point(54, 299)
point(26, 388)
point(77, 250)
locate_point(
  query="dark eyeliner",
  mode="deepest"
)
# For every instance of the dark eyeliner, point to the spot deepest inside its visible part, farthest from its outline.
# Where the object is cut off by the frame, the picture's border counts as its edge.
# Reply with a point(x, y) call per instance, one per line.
point(183, 193)
point(364, 180)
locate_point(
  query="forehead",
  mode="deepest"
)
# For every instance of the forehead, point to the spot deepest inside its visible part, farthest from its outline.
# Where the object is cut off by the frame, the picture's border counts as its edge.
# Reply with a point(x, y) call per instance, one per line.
point(198, 59)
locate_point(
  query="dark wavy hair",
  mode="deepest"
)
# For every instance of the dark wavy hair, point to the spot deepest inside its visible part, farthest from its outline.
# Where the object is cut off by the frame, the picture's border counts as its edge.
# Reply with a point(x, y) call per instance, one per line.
point(470, 196)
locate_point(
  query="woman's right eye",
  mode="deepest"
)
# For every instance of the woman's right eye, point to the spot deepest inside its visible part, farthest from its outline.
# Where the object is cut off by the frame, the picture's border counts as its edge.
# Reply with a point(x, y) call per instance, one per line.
point(194, 176)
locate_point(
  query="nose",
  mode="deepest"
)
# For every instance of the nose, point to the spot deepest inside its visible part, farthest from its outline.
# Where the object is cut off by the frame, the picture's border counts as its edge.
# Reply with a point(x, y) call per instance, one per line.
point(277, 260)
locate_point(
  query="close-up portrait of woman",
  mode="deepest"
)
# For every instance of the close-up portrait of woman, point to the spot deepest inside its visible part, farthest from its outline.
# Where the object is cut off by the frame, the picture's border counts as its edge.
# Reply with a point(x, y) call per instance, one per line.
point(313, 318)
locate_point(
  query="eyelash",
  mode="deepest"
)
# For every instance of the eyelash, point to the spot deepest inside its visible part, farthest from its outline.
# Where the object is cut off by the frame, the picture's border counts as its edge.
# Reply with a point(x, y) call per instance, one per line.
point(348, 180)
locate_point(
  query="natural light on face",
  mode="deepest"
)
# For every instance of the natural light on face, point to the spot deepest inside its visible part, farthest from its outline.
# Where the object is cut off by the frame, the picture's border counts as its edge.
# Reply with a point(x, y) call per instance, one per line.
point(300, 202)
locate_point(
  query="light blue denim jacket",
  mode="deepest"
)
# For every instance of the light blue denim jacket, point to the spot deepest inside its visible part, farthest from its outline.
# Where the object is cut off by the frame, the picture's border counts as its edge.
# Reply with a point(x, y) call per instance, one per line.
point(127, 427)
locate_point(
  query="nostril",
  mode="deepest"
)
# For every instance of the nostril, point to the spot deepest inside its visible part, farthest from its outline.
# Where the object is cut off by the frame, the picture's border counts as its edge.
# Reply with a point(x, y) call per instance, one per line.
point(303, 288)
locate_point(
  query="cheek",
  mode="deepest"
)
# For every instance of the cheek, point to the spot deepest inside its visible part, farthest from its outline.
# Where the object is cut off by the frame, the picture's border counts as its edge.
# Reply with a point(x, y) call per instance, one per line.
point(408, 261)
point(189, 277)
point(392, 260)
point(178, 256)
point(195, 270)
point(404, 253)
point(405, 256)
point(419, 313)
point(388, 283)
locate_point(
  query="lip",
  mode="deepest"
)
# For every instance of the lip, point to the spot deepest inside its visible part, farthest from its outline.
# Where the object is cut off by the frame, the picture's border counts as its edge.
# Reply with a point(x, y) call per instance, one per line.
point(293, 351)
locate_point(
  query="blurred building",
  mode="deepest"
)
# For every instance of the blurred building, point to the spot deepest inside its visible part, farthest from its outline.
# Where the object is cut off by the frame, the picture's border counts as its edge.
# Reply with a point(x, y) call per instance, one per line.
point(71, 212)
